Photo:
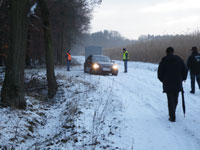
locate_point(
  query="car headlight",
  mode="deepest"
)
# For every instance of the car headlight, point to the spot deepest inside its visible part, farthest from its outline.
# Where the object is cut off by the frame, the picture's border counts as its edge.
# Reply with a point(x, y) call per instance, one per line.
point(95, 66)
point(115, 67)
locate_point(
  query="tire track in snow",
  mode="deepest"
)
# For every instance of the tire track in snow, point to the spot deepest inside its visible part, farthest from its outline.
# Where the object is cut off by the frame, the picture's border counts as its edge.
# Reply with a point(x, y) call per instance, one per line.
point(173, 129)
point(167, 125)
point(139, 95)
point(185, 129)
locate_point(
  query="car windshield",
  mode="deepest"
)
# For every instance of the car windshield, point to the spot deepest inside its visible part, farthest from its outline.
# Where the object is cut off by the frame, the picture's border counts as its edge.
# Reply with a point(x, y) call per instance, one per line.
point(101, 59)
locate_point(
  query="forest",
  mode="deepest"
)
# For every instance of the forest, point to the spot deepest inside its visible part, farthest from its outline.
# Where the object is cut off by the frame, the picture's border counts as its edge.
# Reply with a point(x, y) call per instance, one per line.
point(43, 105)
point(41, 32)
point(38, 31)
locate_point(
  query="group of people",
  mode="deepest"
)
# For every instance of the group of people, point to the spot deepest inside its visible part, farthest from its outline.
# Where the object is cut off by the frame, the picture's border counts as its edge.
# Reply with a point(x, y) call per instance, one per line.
point(172, 71)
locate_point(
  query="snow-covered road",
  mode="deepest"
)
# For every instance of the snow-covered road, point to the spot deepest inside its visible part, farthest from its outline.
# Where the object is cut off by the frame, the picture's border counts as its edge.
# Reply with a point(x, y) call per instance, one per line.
point(124, 112)
point(145, 113)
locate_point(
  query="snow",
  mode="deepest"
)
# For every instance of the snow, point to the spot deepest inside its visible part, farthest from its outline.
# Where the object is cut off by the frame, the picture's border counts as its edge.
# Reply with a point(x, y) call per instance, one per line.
point(32, 10)
point(126, 112)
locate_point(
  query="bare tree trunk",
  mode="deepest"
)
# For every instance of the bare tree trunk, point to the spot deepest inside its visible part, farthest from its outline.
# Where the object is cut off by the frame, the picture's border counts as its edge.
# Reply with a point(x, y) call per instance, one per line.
point(62, 46)
point(12, 93)
point(28, 57)
point(1, 2)
point(49, 51)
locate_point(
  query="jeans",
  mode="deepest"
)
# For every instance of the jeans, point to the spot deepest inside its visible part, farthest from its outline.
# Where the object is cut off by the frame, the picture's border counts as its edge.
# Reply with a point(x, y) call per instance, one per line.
point(125, 65)
point(68, 65)
point(193, 76)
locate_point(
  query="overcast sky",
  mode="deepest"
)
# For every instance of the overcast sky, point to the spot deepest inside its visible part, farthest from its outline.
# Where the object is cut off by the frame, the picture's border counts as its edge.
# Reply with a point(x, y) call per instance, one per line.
point(133, 18)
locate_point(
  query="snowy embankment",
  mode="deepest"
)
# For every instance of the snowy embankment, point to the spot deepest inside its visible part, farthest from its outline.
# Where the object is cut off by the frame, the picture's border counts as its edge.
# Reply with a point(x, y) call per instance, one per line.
point(126, 112)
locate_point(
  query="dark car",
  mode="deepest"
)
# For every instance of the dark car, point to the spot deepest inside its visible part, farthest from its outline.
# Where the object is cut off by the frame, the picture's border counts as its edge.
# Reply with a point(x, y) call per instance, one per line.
point(99, 64)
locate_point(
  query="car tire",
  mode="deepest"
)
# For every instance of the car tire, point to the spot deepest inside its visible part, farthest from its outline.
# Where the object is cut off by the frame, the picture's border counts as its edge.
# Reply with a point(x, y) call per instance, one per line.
point(85, 69)
point(114, 74)
point(91, 72)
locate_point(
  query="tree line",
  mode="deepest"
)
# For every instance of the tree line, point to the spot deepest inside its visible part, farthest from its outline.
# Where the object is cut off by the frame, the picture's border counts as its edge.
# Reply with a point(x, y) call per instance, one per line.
point(37, 30)
point(150, 48)
point(105, 39)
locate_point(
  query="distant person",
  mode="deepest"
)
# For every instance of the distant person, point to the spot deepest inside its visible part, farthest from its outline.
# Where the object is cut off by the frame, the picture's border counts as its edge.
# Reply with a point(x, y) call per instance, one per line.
point(172, 71)
point(193, 64)
point(125, 59)
point(68, 59)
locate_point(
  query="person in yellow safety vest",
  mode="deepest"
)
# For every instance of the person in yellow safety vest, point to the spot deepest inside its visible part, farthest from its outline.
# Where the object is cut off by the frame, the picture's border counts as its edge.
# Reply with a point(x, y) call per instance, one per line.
point(125, 59)
point(68, 58)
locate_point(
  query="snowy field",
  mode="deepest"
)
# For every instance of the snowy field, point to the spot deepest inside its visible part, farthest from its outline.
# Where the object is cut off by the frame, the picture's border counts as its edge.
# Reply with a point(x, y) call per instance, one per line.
point(125, 112)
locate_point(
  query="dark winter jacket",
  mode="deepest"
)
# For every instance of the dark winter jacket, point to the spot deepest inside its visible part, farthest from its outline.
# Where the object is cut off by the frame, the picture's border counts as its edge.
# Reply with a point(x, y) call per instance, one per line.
point(172, 71)
point(193, 63)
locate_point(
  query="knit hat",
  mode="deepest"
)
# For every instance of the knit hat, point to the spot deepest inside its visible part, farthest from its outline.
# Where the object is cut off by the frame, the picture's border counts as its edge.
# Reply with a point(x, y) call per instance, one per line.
point(194, 48)
point(170, 50)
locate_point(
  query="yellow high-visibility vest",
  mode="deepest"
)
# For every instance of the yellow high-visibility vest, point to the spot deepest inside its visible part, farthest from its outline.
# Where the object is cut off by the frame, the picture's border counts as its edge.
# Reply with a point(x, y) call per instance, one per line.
point(124, 55)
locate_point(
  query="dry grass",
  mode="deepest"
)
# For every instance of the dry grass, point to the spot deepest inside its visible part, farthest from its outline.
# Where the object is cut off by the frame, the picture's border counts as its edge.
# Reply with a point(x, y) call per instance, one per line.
point(153, 49)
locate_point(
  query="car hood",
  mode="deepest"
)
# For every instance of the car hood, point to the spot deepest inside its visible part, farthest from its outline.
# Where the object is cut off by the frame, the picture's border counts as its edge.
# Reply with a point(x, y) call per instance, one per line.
point(105, 63)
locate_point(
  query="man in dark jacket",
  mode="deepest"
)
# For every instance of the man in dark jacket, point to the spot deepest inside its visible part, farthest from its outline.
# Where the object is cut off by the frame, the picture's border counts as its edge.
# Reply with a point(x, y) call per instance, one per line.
point(172, 71)
point(193, 65)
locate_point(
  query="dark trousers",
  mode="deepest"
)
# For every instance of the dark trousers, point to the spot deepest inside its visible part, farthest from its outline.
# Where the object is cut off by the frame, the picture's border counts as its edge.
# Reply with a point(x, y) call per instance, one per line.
point(68, 65)
point(193, 76)
point(125, 65)
point(172, 104)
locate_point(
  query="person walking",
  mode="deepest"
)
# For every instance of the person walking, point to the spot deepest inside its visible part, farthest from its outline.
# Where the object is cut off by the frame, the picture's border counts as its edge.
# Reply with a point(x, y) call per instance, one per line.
point(125, 59)
point(172, 71)
point(68, 59)
point(193, 64)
